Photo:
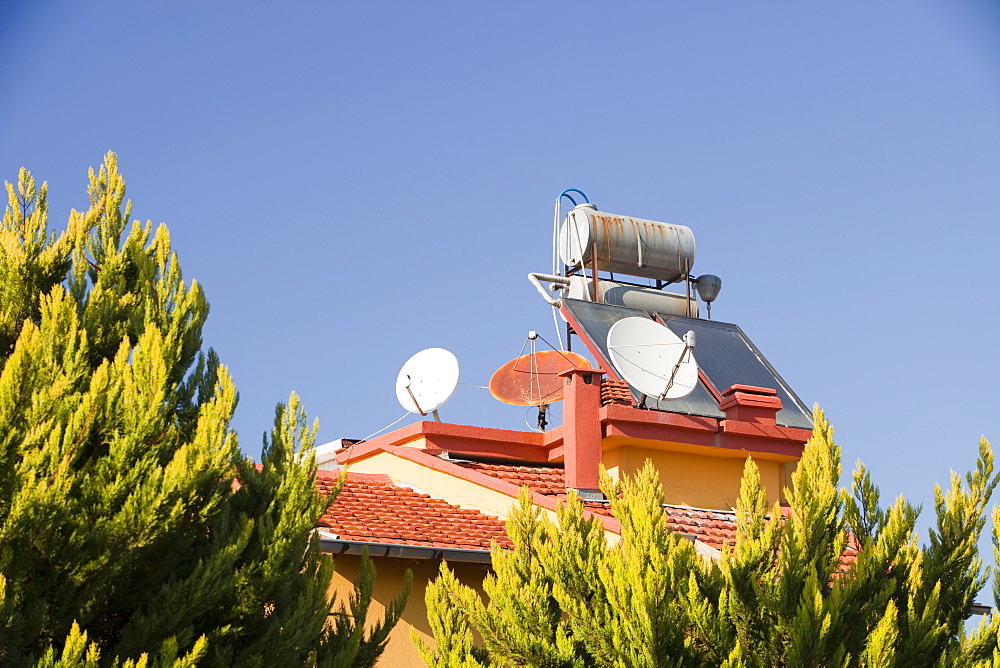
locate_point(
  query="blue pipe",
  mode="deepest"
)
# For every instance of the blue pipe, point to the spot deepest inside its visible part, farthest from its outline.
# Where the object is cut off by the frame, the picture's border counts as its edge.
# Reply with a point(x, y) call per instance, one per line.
point(566, 194)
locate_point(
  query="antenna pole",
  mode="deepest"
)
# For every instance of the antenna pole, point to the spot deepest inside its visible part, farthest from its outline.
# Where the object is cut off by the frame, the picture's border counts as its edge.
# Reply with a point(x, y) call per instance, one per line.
point(593, 257)
point(555, 258)
point(687, 289)
point(437, 418)
point(555, 235)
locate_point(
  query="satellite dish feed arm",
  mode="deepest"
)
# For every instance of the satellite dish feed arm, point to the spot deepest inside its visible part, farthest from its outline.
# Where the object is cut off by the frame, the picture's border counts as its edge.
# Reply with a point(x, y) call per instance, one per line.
point(688, 346)
point(414, 398)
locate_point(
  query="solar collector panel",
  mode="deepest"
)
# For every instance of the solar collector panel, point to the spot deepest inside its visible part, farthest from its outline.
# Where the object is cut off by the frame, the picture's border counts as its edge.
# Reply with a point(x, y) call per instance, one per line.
point(725, 355)
point(594, 321)
point(728, 357)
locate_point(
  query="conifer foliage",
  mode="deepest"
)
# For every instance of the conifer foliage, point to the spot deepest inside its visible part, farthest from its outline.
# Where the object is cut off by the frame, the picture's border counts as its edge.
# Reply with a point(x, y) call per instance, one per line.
point(782, 596)
point(132, 529)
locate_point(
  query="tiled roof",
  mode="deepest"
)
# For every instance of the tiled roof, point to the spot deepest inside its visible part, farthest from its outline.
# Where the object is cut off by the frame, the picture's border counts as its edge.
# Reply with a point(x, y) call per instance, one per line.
point(540, 479)
point(714, 528)
point(616, 392)
point(370, 508)
point(850, 553)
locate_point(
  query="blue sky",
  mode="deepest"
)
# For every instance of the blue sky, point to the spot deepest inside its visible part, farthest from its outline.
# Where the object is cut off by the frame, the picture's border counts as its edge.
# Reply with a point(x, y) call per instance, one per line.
point(353, 182)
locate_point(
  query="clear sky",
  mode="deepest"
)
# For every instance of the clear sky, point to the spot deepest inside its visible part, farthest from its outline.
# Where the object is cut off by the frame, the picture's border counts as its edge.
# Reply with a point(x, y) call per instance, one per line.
point(353, 182)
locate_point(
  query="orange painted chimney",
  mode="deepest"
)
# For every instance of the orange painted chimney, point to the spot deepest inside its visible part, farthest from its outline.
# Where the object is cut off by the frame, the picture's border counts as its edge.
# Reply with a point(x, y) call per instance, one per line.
point(582, 428)
point(747, 403)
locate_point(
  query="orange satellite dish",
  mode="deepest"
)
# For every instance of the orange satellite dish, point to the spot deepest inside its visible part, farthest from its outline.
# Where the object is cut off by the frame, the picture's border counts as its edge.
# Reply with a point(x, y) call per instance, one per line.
point(533, 379)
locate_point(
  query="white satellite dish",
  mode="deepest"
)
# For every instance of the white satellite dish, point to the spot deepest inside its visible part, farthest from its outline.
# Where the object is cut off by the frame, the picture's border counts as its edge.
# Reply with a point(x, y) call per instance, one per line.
point(427, 381)
point(652, 358)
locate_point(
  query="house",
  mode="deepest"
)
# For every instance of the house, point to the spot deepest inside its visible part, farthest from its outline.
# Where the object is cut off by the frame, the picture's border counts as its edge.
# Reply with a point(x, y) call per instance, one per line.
point(432, 490)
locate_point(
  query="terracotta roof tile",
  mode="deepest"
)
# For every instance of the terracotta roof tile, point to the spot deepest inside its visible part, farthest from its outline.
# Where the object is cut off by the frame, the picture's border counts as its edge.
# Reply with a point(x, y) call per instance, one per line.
point(616, 392)
point(540, 479)
point(371, 508)
point(850, 553)
point(713, 528)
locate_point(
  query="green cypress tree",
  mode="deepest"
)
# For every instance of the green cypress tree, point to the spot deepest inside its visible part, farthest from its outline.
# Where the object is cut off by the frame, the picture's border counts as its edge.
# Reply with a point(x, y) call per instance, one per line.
point(132, 528)
point(780, 597)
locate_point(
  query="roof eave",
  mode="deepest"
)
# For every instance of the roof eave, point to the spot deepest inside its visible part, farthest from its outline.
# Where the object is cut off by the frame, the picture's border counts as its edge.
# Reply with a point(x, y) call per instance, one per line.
point(400, 551)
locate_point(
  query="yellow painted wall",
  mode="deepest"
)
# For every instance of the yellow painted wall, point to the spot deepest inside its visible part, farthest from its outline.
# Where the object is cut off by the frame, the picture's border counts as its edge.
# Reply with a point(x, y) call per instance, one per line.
point(416, 442)
point(695, 479)
point(452, 489)
point(401, 651)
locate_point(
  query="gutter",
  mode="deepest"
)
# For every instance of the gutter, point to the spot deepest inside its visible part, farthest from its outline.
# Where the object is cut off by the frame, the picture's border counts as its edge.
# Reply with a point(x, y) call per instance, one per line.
point(454, 554)
point(397, 551)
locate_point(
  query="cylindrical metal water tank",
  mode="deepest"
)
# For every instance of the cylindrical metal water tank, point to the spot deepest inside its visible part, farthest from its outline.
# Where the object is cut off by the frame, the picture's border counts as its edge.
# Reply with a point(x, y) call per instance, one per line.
point(626, 245)
point(632, 296)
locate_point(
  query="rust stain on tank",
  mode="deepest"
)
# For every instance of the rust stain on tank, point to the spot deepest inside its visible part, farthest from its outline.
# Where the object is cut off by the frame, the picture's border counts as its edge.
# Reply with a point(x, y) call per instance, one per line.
point(608, 228)
point(635, 246)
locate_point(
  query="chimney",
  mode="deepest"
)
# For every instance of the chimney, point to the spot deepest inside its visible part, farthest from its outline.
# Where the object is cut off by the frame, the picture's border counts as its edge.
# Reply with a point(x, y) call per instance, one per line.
point(582, 430)
point(747, 403)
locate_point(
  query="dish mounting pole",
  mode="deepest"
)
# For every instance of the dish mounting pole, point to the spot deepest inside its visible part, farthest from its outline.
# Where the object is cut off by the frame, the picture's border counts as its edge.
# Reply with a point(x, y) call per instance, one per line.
point(593, 271)
point(687, 287)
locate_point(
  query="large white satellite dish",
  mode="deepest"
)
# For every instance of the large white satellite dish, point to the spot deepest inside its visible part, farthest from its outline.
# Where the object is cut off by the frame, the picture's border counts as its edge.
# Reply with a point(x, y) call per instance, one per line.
point(652, 358)
point(427, 380)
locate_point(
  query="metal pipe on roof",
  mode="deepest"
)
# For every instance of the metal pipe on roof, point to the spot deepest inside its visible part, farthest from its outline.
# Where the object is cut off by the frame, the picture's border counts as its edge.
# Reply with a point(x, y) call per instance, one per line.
point(536, 279)
point(396, 551)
